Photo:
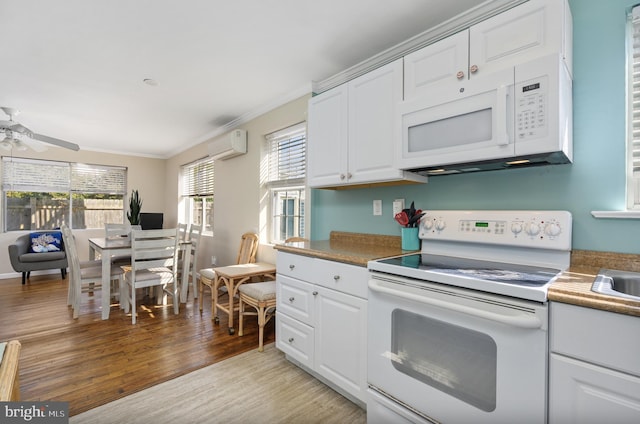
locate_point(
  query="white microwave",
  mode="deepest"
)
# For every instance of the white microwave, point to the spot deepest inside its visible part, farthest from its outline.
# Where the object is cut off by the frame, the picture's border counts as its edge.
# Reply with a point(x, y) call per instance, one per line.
point(520, 116)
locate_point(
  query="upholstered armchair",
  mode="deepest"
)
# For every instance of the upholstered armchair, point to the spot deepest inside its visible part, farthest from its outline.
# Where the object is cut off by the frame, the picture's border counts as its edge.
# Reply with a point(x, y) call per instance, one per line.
point(25, 259)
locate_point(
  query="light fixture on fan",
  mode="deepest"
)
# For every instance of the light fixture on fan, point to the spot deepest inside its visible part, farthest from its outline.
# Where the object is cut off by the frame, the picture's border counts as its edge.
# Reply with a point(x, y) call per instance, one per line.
point(12, 129)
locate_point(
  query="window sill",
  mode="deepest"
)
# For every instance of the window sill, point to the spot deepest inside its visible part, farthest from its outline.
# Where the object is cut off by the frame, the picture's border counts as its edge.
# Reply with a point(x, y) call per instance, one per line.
point(616, 214)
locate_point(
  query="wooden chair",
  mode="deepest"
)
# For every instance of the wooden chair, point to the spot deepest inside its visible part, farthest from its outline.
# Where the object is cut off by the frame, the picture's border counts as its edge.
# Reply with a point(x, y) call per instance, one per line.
point(246, 255)
point(85, 277)
point(295, 239)
point(112, 230)
point(154, 256)
point(262, 297)
point(195, 233)
point(10, 371)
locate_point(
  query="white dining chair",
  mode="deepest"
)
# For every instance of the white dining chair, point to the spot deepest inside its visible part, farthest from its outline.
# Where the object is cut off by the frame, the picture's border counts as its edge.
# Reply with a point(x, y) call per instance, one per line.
point(195, 233)
point(154, 256)
point(84, 277)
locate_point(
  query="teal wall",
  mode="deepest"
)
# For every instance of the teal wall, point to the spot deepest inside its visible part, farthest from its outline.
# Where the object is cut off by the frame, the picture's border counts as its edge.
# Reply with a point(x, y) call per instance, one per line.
point(595, 181)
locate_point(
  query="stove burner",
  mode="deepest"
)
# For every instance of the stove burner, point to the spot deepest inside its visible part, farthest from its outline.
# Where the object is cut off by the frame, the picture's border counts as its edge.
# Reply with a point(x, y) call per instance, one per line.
point(476, 269)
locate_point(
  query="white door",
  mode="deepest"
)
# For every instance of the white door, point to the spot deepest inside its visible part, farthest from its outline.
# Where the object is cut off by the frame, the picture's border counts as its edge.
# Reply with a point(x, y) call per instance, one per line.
point(444, 62)
point(582, 393)
point(533, 29)
point(372, 105)
point(457, 355)
point(327, 125)
point(341, 340)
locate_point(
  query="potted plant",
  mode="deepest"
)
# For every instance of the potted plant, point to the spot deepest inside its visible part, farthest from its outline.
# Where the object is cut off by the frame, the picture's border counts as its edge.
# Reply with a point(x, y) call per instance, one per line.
point(135, 206)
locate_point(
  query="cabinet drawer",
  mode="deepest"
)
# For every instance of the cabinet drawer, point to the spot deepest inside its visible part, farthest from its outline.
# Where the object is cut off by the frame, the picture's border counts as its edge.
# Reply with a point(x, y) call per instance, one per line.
point(601, 337)
point(295, 298)
point(296, 266)
point(295, 339)
point(345, 278)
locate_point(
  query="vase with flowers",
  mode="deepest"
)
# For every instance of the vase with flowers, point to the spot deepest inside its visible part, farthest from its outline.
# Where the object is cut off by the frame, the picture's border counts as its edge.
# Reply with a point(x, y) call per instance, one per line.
point(410, 220)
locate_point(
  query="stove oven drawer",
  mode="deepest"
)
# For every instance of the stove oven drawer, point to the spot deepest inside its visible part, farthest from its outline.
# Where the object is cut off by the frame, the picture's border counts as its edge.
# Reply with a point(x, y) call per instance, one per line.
point(295, 339)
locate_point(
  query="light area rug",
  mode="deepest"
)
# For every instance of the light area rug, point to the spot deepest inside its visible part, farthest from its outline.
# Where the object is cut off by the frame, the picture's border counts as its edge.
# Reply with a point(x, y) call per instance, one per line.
point(252, 387)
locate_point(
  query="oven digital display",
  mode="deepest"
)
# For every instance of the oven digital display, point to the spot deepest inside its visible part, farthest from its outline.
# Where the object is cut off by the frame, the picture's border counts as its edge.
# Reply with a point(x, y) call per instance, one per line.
point(482, 225)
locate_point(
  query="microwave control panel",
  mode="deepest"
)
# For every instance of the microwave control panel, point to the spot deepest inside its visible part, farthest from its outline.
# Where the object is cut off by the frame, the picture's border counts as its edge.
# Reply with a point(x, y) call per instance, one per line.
point(531, 109)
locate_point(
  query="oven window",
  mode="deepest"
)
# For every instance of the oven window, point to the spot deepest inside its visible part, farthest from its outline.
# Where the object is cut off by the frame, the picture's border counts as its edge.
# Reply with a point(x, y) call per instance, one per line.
point(452, 359)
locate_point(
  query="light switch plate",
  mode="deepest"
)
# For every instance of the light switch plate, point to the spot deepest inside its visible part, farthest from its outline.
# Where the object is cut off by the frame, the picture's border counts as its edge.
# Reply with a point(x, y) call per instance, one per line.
point(377, 207)
point(398, 206)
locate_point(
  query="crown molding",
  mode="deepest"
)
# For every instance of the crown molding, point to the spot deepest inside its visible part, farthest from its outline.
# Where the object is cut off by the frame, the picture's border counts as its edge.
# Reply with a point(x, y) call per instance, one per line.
point(456, 24)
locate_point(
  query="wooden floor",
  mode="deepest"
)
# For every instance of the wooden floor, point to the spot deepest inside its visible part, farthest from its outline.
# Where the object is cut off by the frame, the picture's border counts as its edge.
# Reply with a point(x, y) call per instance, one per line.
point(88, 362)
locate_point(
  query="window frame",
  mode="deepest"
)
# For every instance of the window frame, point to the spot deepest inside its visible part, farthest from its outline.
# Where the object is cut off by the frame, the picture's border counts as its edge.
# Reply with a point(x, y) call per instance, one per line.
point(194, 190)
point(285, 174)
point(70, 179)
point(632, 148)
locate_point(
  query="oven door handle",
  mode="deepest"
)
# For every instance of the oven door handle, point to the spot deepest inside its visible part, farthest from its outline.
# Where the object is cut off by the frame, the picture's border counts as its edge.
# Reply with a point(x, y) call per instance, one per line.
point(521, 321)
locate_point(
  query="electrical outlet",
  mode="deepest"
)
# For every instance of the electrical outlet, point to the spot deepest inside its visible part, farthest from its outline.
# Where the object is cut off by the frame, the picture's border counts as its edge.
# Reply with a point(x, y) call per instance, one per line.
point(377, 207)
point(398, 206)
point(214, 260)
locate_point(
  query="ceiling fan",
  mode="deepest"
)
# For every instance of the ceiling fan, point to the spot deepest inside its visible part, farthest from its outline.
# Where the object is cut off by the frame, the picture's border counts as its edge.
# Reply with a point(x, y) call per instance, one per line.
point(19, 137)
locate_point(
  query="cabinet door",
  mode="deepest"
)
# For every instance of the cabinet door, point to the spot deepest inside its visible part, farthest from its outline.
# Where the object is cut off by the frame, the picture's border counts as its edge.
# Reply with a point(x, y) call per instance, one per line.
point(436, 64)
point(295, 339)
point(341, 341)
point(295, 298)
point(580, 393)
point(531, 30)
point(327, 138)
point(372, 107)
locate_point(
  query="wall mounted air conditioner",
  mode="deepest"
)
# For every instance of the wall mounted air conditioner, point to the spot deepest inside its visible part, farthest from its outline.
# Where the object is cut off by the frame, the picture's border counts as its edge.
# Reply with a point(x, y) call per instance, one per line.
point(230, 145)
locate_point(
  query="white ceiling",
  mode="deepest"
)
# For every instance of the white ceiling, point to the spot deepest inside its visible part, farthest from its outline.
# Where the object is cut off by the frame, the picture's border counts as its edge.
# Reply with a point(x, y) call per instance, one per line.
point(75, 68)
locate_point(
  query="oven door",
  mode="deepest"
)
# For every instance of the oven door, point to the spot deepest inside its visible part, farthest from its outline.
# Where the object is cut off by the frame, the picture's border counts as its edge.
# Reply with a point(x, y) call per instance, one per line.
point(456, 355)
point(457, 125)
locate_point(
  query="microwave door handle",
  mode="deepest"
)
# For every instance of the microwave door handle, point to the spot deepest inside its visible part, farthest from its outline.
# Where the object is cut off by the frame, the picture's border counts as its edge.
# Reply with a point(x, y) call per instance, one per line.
point(502, 97)
point(521, 321)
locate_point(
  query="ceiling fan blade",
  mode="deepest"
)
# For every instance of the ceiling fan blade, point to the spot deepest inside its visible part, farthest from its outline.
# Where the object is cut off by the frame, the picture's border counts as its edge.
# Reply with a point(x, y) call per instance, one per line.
point(19, 128)
point(55, 141)
point(34, 145)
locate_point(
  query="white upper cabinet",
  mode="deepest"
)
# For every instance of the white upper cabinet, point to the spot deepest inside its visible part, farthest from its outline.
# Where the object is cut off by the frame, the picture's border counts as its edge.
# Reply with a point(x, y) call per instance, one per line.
point(534, 29)
point(351, 136)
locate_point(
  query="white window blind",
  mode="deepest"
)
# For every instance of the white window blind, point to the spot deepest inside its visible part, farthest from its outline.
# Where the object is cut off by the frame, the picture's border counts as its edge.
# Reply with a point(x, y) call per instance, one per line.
point(98, 179)
point(198, 178)
point(287, 155)
point(29, 175)
point(633, 138)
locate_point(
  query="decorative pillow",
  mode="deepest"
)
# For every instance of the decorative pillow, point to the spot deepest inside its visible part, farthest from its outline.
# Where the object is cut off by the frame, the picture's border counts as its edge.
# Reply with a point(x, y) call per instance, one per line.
point(50, 241)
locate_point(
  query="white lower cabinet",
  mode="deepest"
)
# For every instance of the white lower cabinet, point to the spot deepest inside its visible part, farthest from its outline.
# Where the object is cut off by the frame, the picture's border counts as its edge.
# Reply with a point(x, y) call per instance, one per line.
point(594, 372)
point(320, 323)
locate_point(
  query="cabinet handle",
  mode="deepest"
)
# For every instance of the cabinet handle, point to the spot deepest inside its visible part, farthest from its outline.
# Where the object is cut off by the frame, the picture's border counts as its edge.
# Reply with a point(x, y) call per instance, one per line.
point(290, 339)
point(291, 267)
point(315, 293)
point(291, 299)
point(336, 277)
point(460, 75)
point(349, 175)
point(342, 176)
point(474, 69)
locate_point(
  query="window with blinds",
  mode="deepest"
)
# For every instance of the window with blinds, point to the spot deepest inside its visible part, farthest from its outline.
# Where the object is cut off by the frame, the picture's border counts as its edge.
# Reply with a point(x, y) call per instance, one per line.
point(633, 123)
point(197, 179)
point(285, 180)
point(41, 195)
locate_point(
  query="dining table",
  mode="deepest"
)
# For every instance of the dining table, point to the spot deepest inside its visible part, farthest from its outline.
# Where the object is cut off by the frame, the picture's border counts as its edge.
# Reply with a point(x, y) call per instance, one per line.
point(232, 276)
point(106, 248)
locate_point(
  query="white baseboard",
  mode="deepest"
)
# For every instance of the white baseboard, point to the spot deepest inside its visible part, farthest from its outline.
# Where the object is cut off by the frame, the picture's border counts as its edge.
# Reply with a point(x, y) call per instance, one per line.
point(8, 275)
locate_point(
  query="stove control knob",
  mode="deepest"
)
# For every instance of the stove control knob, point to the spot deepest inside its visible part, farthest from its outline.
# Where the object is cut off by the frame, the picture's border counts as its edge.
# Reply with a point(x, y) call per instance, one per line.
point(440, 225)
point(532, 228)
point(552, 229)
point(516, 228)
point(428, 224)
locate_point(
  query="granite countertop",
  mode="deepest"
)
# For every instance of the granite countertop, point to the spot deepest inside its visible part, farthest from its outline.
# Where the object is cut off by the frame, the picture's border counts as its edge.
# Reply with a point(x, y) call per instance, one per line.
point(573, 286)
point(350, 248)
